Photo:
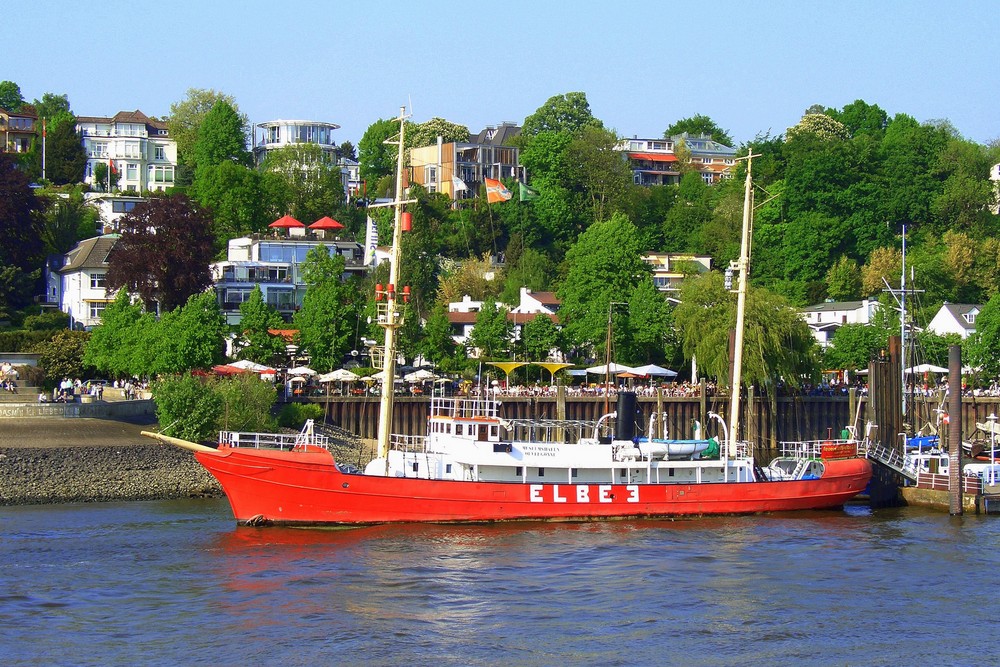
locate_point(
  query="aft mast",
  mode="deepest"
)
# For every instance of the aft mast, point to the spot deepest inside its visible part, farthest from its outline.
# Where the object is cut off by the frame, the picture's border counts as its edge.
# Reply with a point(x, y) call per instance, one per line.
point(741, 305)
point(390, 315)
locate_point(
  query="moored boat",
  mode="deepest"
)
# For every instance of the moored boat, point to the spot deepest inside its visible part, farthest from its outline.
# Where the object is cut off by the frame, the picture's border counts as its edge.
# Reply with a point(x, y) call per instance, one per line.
point(473, 465)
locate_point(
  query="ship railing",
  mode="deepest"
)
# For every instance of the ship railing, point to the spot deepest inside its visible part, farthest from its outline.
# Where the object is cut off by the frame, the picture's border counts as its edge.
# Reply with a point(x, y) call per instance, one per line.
point(269, 440)
point(464, 408)
point(410, 444)
point(819, 449)
point(972, 484)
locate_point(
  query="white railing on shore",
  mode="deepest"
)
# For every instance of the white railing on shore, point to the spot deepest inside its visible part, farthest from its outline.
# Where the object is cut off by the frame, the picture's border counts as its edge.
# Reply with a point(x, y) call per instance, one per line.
point(408, 443)
point(269, 440)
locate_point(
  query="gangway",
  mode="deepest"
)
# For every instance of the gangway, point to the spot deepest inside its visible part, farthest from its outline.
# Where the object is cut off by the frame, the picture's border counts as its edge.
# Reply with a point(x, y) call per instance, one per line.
point(891, 459)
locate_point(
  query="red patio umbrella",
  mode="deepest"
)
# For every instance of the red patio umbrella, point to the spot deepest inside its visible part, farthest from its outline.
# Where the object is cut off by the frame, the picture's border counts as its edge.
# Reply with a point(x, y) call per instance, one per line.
point(285, 222)
point(326, 222)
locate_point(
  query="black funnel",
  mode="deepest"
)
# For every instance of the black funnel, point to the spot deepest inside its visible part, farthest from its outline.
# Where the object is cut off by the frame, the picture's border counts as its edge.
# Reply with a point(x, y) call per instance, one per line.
point(625, 424)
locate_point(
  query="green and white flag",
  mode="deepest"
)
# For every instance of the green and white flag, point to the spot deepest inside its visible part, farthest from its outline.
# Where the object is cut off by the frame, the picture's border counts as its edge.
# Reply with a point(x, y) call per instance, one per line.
point(526, 193)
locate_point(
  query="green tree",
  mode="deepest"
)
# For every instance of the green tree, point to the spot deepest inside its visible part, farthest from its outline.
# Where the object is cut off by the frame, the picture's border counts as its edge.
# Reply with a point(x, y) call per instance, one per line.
point(325, 321)
point(778, 345)
point(861, 118)
point(492, 331)
point(603, 176)
point(222, 137)
point(187, 115)
point(113, 342)
point(843, 280)
point(10, 96)
point(164, 252)
point(67, 221)
point(62, 355)
point(256, 319)
point(426, 133)
point(531, 269)
point(854, 345)
point(189, 337)
point(540, 336)
point(66, 159)
point(237, 199)
point(376, 158)
point(310, 181)
point(246, 404)
point(101, 177)
point(438, 344)
point(54, 108)
point(561, 113)
point(188, 407)
point(474, 277)
point(603, 266)
point(651, 335)
point(699, 125)
point(983, 347)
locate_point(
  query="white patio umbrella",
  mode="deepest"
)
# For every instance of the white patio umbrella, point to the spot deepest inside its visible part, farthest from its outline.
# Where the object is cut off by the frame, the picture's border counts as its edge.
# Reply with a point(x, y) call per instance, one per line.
point(301, 370)
point(653, 369)
point(420, 375)
point(926, 368)
point(612, 368)
point(339, 375)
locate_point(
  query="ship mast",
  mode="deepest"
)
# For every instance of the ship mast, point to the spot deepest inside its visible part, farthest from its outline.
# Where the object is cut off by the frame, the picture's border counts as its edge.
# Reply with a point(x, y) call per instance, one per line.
point(390, 316)
point(741, 303)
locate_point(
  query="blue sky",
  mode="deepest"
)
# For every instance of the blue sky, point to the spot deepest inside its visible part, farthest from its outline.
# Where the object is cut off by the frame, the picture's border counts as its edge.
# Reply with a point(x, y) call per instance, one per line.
point(751, 66)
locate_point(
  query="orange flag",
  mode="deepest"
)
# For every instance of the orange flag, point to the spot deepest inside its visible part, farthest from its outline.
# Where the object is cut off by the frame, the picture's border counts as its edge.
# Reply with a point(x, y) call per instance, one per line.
point(496, 191)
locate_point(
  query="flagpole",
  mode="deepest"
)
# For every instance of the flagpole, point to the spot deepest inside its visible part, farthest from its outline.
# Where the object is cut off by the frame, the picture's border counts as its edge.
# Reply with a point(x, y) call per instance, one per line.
point(43, 148)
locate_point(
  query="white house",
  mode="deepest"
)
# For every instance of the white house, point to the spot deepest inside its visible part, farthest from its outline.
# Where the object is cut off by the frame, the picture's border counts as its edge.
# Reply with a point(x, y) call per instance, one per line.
point(462, 314)
point(137, 147)
point(78, 286)
point(670, 268)
point(825, 318)
point(955, 318)
point(277, 134)
point(275, 265)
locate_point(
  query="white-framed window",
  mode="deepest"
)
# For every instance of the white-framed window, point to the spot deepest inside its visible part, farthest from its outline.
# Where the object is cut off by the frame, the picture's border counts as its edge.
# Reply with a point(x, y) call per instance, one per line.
point(160, 153)
point(99, 149)
point(430, 174)
point(96, 309)
point(970, 317)
point(132, 149)
point(97, 280)
point(707, 177)
point(162, 174)
point(131, 171)
point(122, 206)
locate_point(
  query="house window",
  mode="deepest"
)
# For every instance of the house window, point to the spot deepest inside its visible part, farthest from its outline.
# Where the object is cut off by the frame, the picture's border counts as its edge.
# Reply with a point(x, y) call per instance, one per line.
point(160, 153)
point(131, 171)
point(970, 318)
point(99, 149)
point(163, 174)
point(122, 206)
point(97, 309)
point(132, 149)
point(97, 280)
point(707, 177)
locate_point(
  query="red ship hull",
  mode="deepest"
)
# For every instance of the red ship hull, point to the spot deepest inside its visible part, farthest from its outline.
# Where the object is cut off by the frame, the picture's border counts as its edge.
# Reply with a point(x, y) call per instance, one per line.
point(295, 488)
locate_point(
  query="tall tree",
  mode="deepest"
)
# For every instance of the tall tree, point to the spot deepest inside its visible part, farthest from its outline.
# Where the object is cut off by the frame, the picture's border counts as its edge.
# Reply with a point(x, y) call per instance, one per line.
point(164, 252)
point(651, 337)
point(187, 115)
point(113, 343)
point(376, 158)
point(310, 182)
point(492, 331)
point(222, 137)
point(65, 157)
point(561, 113)
point(21, 244)
point(326, 319)
point(540, 336)
point(983, 347)
point(62, 355)
point(52, 107)
point(256, 343)
point(189, 337)
point(603, 176)
point(438, 343)
point(67, 221)
point(699, 125)
point(10, 96)
point(237, 199)
point(604, 266)
point(427, 133)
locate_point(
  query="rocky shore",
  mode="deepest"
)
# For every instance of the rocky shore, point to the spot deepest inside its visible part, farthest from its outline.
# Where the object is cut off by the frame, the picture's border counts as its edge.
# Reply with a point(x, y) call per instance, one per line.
point(96, 473)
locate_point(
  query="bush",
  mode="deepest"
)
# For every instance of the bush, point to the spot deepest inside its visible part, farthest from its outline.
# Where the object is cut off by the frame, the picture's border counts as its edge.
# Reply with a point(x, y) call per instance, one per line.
point(188, 407)
point(294, 415)
point(47, 321)
point(246, 403)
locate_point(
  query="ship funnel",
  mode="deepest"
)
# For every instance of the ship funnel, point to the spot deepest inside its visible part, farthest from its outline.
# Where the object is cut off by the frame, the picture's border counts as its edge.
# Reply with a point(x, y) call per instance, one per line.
point(627, 414)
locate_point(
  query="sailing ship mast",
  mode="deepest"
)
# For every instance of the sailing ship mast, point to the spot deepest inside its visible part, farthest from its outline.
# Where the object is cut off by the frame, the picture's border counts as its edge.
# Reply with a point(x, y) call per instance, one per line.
point(741, 304)
point(390, 316)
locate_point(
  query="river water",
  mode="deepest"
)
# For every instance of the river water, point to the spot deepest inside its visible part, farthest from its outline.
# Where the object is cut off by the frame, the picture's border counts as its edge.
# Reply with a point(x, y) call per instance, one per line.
point(178, 583)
